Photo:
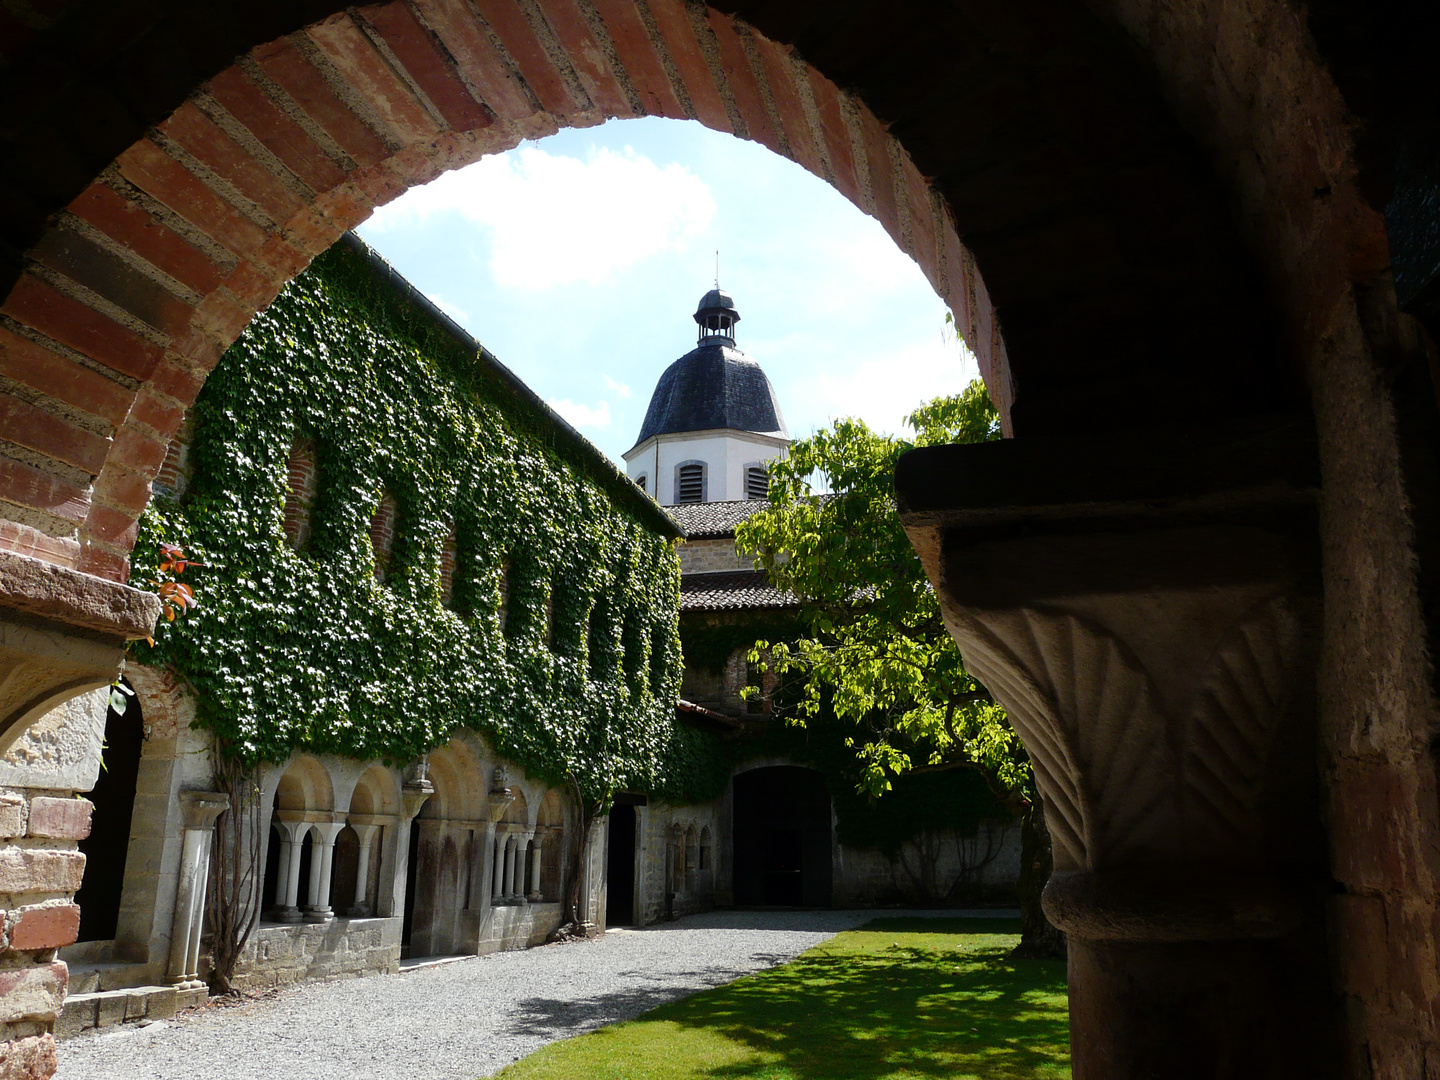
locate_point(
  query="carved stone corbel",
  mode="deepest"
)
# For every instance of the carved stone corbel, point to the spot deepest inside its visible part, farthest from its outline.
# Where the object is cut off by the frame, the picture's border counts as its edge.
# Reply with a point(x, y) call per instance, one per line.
point(1145, 609)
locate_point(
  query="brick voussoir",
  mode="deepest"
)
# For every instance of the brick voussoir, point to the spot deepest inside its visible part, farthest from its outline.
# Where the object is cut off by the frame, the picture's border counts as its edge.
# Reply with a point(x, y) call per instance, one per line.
point(462, 35)
point(678, 34)
point(345, 45)
point(122, 489)
point(34, 428)
point(520, 41)
point(25, 485)
point(637, 55)
point(882, 174)
point(132, 225)
point(292, 71)
point(252, 108)
point(66, 320)
point(32, 364)
point(835, 134)
point(780, 74)
point(922, 219)
point(588, 59)
point(163, 178)
point(742, 81)
point(203, 138)
point(424, 62)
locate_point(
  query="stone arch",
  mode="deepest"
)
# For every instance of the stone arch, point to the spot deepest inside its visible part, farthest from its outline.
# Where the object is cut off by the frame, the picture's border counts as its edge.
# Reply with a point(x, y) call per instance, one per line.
point(376, 792)
point(305, 785)
point(1124, 174)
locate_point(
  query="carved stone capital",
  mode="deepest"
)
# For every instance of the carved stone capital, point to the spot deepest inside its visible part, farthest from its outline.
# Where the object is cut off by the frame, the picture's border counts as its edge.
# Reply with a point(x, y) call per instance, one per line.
point(199, 809)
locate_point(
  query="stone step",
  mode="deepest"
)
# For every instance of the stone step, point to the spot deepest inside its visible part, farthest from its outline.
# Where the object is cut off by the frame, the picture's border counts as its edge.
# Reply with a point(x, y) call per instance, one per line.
point(92, 978)
point(105, 1008)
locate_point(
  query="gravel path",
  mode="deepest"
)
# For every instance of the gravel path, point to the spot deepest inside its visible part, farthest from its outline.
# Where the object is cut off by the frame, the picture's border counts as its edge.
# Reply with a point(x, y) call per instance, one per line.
point(460, 1020)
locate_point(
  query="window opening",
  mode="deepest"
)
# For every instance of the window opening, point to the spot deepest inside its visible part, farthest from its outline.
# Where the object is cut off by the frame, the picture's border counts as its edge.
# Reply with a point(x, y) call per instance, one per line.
point(382, 535)
point(757, 482)
point(754, 677)
point(502, 605)
point(448, 548)
point(640, 483)
point(300, 486)
point(690, 486)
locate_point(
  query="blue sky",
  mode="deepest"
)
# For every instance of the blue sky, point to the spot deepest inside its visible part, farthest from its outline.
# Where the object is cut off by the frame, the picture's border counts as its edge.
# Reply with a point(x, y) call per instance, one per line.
point(578, 260)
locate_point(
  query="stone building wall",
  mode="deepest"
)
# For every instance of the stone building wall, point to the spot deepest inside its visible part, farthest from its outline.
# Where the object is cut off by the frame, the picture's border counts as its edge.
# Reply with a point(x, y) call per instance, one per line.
point(712, 555)
point(42, 820)
point(936, 868)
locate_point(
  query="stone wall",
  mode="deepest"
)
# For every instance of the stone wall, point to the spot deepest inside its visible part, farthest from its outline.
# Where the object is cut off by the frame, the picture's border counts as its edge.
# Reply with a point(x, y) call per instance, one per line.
point(708, 556)
point(279, 955)
point(938, 868)
point(41, 821)
point(518, 926)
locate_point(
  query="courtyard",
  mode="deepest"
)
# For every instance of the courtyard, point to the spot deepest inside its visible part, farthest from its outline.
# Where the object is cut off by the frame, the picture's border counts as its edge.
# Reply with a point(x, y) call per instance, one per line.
point(474, 1017)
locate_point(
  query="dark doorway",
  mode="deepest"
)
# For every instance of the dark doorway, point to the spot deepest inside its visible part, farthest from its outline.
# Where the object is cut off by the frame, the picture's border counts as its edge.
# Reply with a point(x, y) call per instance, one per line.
point(412, 877)
point(782, 838)
point(109, 840)
point(272, 893)
point(620, 870)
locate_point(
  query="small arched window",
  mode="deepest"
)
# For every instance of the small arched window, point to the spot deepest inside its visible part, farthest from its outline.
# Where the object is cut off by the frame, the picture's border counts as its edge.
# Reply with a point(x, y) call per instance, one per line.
point(502, 603)
point(448, 548)
point(382, 534)
point(300, 487)
point(757, 482)
point(640, 482)
point(690, 482)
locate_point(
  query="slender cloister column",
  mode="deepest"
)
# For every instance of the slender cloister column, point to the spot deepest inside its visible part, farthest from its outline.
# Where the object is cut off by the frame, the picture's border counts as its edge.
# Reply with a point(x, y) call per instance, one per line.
point(199, 809)
point(287, 900)
point(497, 869)
point(511, 860)
point(482, 889)
point(322, 859)
point(536, 841)
point(1146, 609)
point(365, 832)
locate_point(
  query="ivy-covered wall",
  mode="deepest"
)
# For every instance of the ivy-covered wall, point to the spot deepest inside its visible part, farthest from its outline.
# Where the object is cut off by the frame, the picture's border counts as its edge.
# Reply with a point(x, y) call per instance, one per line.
point(306, 649)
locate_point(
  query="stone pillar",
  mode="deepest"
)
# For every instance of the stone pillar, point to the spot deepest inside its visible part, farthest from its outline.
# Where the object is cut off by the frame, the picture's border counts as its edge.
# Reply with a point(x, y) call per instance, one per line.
point(497, 869)
point(287, 896)
point(511, 857)
point(536, 841)
point(198, 809)
point(365, 830)
point(1145, 609)
point(483, 889)
point(322, 859)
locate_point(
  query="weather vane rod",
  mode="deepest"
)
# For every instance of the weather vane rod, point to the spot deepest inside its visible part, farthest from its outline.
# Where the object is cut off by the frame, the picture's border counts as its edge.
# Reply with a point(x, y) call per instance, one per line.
point(717, 268)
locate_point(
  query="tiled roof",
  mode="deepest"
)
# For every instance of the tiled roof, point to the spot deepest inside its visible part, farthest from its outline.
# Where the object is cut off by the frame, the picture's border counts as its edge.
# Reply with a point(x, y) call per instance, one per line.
point(714, 385)
point(709, 520)
point(732, 591)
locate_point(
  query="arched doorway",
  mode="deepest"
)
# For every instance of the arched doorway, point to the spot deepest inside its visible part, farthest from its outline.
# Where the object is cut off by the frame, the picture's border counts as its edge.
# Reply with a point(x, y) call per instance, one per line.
point(622, 839)
point(782, 838)
point(108, 844)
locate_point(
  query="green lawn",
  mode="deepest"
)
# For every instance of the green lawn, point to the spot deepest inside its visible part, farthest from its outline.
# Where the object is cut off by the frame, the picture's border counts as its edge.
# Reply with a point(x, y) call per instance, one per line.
point(898, 998)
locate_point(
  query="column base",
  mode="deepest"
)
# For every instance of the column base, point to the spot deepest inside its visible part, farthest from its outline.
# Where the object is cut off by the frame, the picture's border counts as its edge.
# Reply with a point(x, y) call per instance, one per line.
point(319, 915)
point(286, 915)
point(358, 911)
point(533, 898)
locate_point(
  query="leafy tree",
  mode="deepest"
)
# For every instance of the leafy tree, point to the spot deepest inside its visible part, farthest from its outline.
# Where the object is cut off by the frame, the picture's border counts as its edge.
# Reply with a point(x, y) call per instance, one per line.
point(878, 660)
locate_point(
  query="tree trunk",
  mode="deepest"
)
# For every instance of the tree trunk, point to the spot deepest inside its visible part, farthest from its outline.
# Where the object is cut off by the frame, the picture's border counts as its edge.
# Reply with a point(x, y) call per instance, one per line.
point(1037, 937)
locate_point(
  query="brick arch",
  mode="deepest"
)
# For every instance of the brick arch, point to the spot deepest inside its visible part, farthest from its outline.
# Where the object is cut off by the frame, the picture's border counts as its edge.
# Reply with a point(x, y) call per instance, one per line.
point(144, 279)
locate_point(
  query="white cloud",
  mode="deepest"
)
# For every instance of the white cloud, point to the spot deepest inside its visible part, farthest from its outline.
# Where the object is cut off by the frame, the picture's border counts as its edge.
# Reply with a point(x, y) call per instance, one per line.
point(619, 389)
point(882, 392)
point(583, 416)
point(455, 311)
point(553, 219)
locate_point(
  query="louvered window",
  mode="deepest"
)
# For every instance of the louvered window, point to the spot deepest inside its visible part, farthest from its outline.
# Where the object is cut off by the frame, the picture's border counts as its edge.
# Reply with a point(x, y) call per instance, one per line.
point(757, 482)
point(640, 483)
point(690, 484)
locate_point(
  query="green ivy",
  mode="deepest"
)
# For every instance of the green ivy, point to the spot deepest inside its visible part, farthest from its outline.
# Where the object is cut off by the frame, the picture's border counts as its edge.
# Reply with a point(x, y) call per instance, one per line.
point(292, 651)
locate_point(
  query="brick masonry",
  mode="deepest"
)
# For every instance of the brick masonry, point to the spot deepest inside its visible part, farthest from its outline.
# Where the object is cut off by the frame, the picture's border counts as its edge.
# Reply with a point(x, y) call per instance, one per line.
point(158, 265)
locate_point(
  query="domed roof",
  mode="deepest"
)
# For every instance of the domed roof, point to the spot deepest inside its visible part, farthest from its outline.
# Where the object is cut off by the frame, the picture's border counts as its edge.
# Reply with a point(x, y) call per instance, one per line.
point(716, 300)
point(713, 386)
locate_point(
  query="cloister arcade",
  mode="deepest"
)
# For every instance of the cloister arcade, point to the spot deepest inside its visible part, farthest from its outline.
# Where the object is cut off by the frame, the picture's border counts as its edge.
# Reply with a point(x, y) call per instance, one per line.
point(1190, 218)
